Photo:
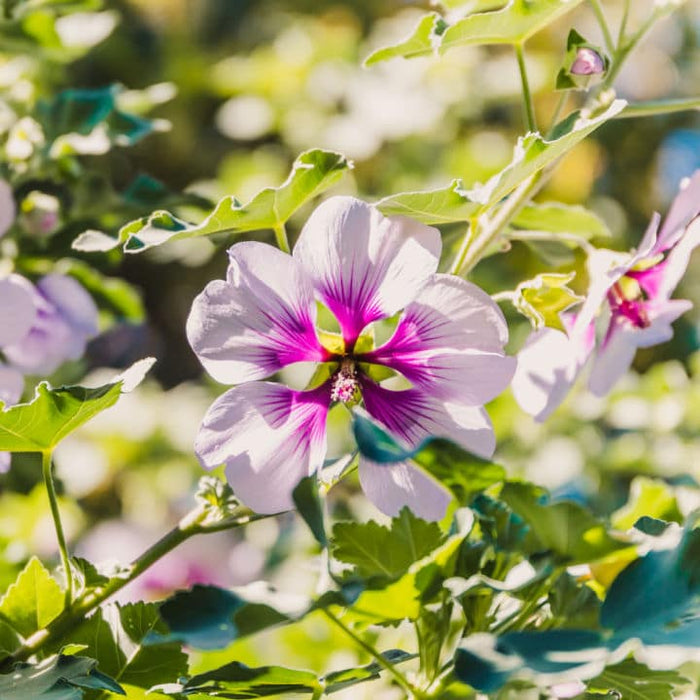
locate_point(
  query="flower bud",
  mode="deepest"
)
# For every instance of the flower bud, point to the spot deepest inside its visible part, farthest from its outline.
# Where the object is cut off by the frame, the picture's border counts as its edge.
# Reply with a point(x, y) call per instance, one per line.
point(587, 62)
point(40, 214)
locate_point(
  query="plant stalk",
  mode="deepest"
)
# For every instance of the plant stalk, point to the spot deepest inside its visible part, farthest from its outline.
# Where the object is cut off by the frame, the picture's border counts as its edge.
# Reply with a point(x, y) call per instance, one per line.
point(46, 468)
point(281, 238)
point(527, 94)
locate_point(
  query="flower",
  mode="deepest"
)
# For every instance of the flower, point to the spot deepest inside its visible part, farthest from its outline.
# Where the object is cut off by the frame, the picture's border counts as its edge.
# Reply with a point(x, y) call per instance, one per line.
point(633, 292)
point(50, 322)
point(363, 267)
point(587, 62)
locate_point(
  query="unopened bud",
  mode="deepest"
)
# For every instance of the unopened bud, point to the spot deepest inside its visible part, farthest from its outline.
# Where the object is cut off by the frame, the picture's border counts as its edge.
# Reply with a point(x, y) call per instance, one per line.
point(40, 214)
point(587, 62)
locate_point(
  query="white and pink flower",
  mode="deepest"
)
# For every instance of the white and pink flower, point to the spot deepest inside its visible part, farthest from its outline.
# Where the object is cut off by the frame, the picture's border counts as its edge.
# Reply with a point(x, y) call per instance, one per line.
point(363, 267)
point(630, 293)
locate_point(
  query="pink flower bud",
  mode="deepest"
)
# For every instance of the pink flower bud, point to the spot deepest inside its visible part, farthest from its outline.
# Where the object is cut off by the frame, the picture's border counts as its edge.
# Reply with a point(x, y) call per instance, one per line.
point(587, 62)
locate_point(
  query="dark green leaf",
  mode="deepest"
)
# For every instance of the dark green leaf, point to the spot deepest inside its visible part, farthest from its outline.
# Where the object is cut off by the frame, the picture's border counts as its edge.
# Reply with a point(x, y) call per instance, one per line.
point(310, 508)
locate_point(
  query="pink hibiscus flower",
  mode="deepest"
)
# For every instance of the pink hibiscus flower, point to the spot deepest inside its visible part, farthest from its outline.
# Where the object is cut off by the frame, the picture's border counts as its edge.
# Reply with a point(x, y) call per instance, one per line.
point(363, 267)
point(631, 292)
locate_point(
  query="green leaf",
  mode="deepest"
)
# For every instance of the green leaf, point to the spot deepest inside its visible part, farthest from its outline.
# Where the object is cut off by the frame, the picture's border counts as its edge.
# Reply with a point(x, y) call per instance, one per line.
point(564, 527)
point(648, 497)
point(421, 41)
point(542, 299)
point(560, 218)
point(463, 473)
point(532, 153)
point(376, 551)
point(514, 24)
point(309, 505)
point(339, 680)
point(313, 172)
point(33, 600)
point(630, 680)
point(236, 680)
point(470, 6)
point(55, 678)
point(440, 206)
point(53, 414)
point(206, 617)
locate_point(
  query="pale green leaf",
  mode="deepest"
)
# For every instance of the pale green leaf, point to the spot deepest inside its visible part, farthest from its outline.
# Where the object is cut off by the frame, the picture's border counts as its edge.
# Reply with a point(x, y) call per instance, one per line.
point(544, 297)
point(630, 680)
point(556, 217)
point(53, 414)
point(419, 42)
point(33, 600)
point(514, 24)
point(313, 172)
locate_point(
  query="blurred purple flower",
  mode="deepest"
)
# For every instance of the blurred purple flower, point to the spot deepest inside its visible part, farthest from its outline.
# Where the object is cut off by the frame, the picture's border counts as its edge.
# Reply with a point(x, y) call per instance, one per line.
point(363, 267)
point(633, 291)
point(57, 320)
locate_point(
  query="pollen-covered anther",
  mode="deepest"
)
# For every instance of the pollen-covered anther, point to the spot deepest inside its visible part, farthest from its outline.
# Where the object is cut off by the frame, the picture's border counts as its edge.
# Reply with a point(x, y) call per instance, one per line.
point(345, 386)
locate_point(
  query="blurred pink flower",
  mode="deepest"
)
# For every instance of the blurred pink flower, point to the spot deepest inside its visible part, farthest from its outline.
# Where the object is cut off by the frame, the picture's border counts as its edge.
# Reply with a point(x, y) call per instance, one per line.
point(363, 267)
point(632, 290)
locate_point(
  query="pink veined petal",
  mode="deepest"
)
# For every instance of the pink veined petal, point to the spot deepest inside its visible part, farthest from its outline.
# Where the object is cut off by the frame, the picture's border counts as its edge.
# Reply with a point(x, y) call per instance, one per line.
point(17, 309)
point(391, 487)
point(450, 341)
point(617, 352)
point(257, 321)
point(685, 207)
point(269, 437)
point(365, 266)
point(548, 366)
point(8, 208)
point(412, 415)
point(675, 265)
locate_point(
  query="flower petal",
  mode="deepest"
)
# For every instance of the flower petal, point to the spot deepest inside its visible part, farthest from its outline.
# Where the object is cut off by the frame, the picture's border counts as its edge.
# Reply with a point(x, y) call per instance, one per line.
point(257, 321)
point(65, 319)
point(548, 366)
point(450, 341)
point(8, 208)
point(685, 207)
point(269, 437)
point(617, 352)
point(675, 265)
point(365, 266)
point(11, 385)
point(391, 487)
point(17, 310)
point(413, 415)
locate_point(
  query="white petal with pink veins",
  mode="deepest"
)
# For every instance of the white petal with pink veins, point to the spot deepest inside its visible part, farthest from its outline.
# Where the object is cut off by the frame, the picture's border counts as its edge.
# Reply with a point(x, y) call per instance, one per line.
point(269, 437)
point(257, 321)
point(548, 366)
point(365, 266)
point(17, 309)
point(391, 487)
point(616, 354)
point(11, 385)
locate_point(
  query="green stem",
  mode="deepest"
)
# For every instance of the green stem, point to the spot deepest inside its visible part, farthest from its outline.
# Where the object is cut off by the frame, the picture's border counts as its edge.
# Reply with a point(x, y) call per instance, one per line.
point(467, 240)
point(623, 23)
point(281, 237)
point(600, 16)
point(558, 110)
point(527, 95)
point(75, 614)
point(656, 107)
point(56, 515)
point(367, 647)
point(497, 224)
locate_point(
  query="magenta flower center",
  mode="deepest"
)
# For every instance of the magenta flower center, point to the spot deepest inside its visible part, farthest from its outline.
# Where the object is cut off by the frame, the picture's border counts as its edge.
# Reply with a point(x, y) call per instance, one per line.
point(630, 307)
